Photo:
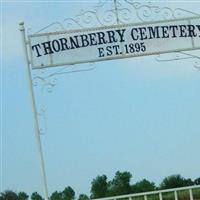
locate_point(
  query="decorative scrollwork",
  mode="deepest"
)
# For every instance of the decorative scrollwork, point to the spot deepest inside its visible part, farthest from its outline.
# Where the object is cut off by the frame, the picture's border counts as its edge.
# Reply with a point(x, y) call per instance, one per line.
point(180, 13)
point(107, 13)
point(128, 11)
point(180, 56)
point(197, 64)
point(101, 15)
point(149, 12)
point(42, 120)
point(44, 81)
point(56, 26)
point(41, 86)
point(172, 56)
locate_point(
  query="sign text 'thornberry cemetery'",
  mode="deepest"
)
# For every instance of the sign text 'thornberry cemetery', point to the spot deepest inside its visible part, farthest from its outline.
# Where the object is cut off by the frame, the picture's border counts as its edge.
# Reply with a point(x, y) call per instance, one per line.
point(119, 41)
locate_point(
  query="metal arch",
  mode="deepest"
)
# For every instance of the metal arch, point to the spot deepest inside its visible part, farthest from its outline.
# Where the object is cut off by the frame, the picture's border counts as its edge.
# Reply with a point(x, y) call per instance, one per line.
point(112, 12)
point(122, 12)
point(106, 13)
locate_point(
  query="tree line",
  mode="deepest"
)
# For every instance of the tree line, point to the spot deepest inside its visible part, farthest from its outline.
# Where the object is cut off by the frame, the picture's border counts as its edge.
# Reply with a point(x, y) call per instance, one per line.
point(102, 187)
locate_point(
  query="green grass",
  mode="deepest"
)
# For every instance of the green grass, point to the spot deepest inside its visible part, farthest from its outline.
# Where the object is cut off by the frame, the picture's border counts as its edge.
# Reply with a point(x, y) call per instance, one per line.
point(196, 193)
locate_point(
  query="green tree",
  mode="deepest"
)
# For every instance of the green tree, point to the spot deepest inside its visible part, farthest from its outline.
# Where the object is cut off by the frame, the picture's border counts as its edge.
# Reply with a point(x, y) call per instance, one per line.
point(36, 196)
point(99, 187)
point(83, 197)
point(56, 196)
point(143, 186)
point(197, 181)
point(175, 181)
point(188, 182)
point(68, 194)
point(22, 196)
point(8, 195)
point(120, 184)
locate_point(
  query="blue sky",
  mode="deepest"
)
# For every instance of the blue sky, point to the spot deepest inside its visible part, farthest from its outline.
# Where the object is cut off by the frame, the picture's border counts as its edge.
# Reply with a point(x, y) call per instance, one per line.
point(135, 114)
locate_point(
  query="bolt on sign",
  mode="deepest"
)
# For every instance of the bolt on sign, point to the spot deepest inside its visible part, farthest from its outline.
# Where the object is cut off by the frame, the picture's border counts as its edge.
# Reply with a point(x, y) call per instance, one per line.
point(113, 42)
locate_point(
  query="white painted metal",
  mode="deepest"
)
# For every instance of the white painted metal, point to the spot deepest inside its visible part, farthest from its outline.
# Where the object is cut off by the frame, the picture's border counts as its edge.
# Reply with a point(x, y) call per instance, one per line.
point(160, 196)
point(191, 195)
point(107, 58)
point(29, 64)
point(114, 26)
point(116, 11)
point(175, 195)
point(36, 124)
point(158, 192)
point(90, 53)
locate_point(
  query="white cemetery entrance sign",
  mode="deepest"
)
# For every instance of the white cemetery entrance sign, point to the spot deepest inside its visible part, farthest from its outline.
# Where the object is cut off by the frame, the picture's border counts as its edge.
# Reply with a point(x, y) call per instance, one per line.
point(113, 42)
point(116, 40)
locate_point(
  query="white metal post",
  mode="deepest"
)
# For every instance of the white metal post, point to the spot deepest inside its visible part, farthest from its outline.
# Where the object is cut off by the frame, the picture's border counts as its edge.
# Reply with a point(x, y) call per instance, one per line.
point(191, 195)
point(36, 123)
point(160, 196)
point(175, 195)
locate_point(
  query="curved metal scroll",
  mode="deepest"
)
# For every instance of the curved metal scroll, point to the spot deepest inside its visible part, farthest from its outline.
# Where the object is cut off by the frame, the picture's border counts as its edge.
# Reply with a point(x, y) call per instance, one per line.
point(44, 81)
point(128, 11)
point(103, 14)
